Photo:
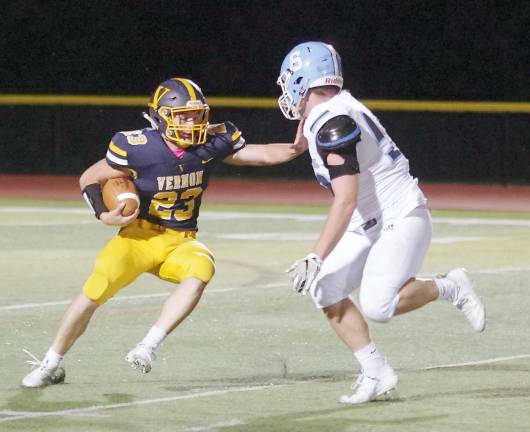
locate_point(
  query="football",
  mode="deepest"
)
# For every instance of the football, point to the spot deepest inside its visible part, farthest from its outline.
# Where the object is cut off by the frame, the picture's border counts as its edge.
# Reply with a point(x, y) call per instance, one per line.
point(118, 190)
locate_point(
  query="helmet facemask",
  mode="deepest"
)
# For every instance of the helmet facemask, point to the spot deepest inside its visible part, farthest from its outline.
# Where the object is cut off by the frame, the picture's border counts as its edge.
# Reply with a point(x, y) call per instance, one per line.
point(181, 131)
point(180, 113)
point(288, 105)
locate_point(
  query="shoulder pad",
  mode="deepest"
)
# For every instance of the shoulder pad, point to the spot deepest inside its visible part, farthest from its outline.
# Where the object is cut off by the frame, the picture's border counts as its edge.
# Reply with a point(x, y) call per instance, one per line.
point(230, 127)
point(120, 139)
point(235, 133)
point(337, 133)
point(229, 134)
point(225, 128)
point(216, 128)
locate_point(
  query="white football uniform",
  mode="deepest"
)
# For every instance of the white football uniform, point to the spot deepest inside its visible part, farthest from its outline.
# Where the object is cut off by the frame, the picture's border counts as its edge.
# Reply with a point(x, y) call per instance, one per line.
point(390, 229)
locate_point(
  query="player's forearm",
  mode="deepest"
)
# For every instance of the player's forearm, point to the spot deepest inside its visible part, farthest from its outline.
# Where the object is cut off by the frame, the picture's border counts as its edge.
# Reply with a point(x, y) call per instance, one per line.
point(339, 216)
point(338, 219)
point(264, 154)
point(277, 153)
point(98, 172)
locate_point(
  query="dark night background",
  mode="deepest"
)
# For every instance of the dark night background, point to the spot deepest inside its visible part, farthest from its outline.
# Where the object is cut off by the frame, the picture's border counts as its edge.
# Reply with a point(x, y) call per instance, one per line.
point(408, 49)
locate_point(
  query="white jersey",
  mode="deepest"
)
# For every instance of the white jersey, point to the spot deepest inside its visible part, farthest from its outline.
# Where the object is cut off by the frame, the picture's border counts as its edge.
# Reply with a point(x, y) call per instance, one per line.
point(386, 188)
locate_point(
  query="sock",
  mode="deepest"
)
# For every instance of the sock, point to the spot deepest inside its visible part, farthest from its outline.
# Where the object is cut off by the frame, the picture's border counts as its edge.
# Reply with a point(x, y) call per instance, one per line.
point(369, 358)
point(51, 360)
point(446, 288)
point(154, 337)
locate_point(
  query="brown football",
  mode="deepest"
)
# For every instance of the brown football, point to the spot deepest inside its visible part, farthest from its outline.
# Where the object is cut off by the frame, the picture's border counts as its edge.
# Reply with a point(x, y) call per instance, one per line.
point(118, 190)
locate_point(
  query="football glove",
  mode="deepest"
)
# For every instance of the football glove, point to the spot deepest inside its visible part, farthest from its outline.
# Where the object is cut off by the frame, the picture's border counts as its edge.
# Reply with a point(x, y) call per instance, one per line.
point(304, 272)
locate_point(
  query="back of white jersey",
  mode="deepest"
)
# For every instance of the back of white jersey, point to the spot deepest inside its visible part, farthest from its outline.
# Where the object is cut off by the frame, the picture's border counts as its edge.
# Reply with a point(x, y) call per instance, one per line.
point(386, 187)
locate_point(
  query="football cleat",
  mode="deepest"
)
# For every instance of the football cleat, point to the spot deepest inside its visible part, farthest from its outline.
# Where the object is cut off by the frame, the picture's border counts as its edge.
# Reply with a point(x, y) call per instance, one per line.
point(466, 300)
point(42, 376)
point(141, 357)
point(369, 387)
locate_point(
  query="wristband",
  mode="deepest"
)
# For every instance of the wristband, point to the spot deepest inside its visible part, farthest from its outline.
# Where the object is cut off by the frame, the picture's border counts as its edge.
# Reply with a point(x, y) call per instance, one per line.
point(94, 198)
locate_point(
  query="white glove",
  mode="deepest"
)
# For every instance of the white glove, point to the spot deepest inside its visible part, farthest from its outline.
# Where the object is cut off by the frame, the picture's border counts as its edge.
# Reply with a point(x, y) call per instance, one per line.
point(304, 272)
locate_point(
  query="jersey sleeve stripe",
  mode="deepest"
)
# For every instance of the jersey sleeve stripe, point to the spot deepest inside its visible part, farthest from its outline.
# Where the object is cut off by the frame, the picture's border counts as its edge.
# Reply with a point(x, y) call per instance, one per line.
point(117, 150)
point(235, 135)
point(116, 160)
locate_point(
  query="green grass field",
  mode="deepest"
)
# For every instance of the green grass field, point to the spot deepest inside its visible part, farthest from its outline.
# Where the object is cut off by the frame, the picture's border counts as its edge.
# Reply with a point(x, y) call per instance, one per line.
point(254, 356)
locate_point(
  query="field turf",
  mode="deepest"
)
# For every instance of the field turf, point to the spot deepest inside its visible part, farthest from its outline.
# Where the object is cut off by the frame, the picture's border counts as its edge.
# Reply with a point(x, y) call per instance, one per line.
point(254, 356)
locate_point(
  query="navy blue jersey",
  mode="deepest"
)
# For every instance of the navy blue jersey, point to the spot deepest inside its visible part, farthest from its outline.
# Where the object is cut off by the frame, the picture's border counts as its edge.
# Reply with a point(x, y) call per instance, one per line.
point(171, 187)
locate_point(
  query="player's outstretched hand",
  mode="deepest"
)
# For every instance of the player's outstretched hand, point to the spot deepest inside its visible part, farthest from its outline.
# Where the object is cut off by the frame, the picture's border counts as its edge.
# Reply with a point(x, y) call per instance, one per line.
point(114, 217)
point(304, 272)
point(300, 141)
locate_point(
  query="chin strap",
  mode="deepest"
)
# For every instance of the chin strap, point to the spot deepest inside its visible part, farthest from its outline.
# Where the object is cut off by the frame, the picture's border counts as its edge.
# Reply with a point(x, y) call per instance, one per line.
point(150, 120)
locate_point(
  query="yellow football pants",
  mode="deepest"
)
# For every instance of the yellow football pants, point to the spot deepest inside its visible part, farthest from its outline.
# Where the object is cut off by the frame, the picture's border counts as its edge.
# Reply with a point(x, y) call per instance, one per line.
point(145, 247)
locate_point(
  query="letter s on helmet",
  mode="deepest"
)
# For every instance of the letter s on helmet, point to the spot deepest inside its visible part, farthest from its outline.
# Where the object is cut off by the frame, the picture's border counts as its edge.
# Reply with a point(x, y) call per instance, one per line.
point(168, 101)
point(308, 65)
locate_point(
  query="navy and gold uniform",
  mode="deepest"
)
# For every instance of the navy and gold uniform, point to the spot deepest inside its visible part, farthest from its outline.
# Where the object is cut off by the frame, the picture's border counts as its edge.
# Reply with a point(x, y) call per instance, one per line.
point(162, 239)
point(171, 188)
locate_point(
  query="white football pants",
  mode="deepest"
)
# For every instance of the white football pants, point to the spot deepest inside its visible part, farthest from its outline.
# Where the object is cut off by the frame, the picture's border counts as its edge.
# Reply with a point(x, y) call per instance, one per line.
point(378, 260)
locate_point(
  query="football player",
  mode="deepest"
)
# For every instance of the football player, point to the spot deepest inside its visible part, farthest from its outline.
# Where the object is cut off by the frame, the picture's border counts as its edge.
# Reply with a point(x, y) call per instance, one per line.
point(378, 227)
point(170, 163)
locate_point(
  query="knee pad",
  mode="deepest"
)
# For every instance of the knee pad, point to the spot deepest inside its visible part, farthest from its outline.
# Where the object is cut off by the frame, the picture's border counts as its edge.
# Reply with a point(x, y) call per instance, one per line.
point(194, 263)
point(201, 267)
point(378, 310)
point(201, 262)
point(96, 288)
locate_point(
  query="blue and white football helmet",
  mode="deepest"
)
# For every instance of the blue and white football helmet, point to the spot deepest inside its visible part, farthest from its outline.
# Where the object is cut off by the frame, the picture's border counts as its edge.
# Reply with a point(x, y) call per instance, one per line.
point(309, 64)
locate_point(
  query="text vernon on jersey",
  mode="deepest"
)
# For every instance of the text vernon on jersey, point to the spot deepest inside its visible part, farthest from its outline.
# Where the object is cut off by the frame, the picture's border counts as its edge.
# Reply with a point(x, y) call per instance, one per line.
point(180, 181)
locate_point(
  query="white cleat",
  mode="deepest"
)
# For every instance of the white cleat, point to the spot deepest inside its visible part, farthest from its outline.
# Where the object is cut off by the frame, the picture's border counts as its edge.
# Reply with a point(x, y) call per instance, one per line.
point(466, 300)
point(141, 357)
point(42, 376)
point(367, 388)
